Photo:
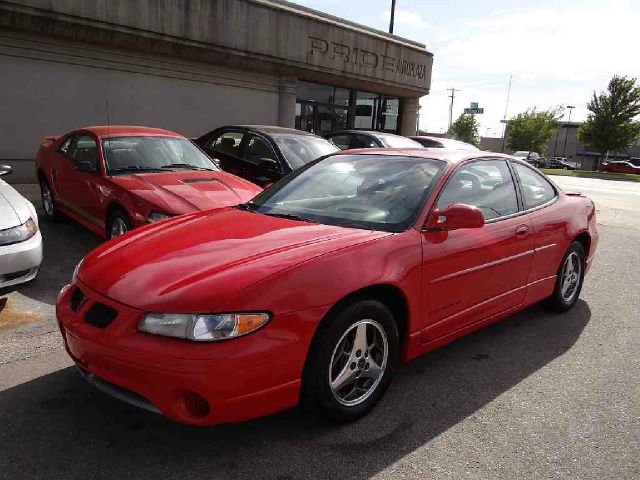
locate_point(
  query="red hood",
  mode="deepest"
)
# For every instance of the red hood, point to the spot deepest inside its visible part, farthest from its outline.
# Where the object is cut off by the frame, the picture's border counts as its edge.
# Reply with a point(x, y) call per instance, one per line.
point(193, 263)
point(189, 191)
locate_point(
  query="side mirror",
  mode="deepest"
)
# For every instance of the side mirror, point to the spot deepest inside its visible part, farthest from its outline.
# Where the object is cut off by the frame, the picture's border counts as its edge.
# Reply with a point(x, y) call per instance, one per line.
point(456, 216)
point(5, 170)
point(268, 167)
point(86, 167)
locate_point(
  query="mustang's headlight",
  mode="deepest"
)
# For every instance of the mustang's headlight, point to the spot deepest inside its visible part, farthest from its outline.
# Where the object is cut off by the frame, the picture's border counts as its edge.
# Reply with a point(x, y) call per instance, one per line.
point(202, 327)
point(20, 233)
point(157, 216)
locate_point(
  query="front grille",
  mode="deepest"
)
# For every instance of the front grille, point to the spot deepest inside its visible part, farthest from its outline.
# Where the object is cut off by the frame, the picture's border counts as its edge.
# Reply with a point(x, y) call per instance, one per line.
point(77, 299)
point(100, 315)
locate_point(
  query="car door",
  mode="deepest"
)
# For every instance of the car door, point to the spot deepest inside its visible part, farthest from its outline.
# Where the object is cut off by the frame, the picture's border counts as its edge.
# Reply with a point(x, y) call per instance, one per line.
point(81, 180)
point(255, 150)
point(62, 170)
point(471, 274)
point(226, 145)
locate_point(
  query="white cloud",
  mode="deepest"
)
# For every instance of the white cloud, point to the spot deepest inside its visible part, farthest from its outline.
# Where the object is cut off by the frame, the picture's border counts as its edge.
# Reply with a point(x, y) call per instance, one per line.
point(405, 17)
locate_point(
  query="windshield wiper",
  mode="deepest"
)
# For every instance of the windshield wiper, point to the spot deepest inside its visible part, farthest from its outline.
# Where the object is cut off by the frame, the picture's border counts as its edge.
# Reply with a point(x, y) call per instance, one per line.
point(290, 216)
point(186, 165)
point(134, 168)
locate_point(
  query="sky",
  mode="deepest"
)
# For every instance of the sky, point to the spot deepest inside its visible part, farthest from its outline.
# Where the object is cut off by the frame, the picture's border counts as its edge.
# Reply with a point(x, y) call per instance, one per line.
point(557, 52)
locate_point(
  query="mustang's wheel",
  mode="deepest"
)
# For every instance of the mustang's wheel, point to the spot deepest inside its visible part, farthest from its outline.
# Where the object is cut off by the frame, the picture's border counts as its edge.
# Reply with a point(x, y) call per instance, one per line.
point(569, 279)
point(48, 203)
point(118, 224)
point(351, 361)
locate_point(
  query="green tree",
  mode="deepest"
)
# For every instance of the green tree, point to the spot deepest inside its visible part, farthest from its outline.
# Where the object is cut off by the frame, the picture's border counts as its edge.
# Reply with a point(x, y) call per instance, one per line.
point(611, 125)
point(465, 129)
point(532, 130)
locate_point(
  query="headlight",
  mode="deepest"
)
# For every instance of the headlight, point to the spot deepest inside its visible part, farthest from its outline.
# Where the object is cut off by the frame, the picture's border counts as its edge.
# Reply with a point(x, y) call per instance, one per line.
point(18, 234)
point(157, 216)
point(202, 327)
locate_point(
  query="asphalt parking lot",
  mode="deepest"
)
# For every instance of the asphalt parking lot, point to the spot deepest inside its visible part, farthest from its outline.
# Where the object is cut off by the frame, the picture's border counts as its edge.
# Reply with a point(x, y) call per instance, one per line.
point(534, 396)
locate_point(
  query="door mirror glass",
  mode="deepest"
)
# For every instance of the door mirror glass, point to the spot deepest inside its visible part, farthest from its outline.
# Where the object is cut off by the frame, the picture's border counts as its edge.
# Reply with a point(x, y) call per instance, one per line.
point(5, 170)
point(456, 216)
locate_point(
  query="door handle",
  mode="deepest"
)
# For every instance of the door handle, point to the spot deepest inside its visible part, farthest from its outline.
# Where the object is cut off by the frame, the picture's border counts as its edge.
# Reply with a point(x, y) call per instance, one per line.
point(522, 230)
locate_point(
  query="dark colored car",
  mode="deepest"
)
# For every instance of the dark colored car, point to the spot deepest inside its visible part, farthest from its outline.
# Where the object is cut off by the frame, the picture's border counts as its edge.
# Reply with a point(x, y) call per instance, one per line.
point(260, 153)
point(559, 162)
point(351, 139)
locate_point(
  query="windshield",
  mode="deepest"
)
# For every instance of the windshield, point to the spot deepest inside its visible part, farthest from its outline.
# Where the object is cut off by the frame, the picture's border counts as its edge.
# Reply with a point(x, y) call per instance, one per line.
point(126, 154)
point(396, 141)
point(374, 192)
point(302, 149)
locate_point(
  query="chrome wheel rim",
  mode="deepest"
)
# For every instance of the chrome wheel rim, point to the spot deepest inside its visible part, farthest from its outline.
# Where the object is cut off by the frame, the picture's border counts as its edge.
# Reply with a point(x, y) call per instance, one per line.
point(47, 200)
point(571, 277)
point(118, 227)
point(358, 362)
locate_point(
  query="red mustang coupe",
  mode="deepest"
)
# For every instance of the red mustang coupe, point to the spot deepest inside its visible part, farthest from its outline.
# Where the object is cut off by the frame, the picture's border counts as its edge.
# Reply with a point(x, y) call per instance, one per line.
point(113, 179)
point(319, 287)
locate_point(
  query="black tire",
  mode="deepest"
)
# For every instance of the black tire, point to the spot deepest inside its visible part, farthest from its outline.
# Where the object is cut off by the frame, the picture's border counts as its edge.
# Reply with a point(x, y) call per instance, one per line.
point(317, 394)
point(48, 202)
point(560, 301)
point(118, 220)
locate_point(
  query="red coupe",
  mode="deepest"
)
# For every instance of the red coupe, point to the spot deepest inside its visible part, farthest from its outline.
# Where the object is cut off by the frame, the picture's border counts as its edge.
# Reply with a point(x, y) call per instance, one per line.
point(113, 179)
point(319, 287)
point(621, 167)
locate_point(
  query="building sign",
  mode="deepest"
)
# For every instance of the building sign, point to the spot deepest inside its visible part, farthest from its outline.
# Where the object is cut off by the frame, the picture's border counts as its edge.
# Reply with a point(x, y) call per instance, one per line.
point(350, 55)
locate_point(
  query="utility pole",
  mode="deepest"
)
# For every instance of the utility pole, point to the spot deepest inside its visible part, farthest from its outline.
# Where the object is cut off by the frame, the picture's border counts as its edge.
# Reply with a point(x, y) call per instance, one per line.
point(566, 133)
point(393, 12)
point(506, 109)
point(452, 96)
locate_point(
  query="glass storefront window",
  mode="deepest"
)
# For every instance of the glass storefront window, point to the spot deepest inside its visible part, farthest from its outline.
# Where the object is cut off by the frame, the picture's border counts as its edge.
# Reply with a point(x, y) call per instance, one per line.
point(327, 94)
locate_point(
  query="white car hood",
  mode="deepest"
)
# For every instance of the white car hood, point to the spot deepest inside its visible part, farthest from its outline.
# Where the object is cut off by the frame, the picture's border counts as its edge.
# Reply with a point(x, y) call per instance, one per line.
point(14, 208)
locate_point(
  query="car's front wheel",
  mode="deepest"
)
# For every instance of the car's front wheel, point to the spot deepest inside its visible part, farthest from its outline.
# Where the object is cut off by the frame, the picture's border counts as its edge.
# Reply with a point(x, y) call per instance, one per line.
point(118, 224)
point(569, 279)
point(351, 361)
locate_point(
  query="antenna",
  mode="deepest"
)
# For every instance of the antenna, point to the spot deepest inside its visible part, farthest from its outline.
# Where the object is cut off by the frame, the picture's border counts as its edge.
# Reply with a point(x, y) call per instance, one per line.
point(452, 96)
point(106, 101)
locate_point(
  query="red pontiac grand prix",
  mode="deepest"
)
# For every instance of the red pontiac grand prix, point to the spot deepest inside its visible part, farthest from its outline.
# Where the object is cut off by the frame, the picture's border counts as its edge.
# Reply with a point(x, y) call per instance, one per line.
point(319, 287)
point(115, 178)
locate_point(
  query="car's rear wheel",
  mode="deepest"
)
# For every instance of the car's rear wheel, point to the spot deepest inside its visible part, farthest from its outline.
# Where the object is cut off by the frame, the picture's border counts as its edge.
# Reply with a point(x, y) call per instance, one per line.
point(118, 224)
point(351, 361)
point(569, 279)
point(48, 202)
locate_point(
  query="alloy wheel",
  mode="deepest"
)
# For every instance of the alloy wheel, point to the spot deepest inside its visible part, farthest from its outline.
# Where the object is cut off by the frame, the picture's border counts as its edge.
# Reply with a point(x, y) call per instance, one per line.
point(571, 277)
point(358, 362)
point(47, 199)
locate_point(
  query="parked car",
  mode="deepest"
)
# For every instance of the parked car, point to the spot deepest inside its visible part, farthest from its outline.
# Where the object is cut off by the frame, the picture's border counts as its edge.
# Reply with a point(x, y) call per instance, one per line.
point(115, 178)
point(620, 167)
point(559, 162)
point(353, 139)
point(531, 158)
point(261, 153)
point(315, 290)
point(448, 143)
point(20, 238)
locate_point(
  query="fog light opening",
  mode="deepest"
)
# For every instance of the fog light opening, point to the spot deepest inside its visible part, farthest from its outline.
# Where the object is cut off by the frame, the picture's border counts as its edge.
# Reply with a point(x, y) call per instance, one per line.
point(195, 405)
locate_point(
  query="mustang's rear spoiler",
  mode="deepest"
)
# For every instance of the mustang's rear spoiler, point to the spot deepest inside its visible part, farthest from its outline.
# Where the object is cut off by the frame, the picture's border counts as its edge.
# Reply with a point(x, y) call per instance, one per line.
point(49, 139)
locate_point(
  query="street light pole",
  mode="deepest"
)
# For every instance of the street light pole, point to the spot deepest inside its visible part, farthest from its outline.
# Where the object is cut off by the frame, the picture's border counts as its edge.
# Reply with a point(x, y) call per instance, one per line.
point(393, 12)
point(566, 133)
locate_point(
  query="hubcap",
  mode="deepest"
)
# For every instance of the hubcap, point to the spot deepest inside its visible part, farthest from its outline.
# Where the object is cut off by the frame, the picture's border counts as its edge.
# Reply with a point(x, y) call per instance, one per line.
point(358, 362)
point(47, 201)
point(118, 227)
point(571, 277)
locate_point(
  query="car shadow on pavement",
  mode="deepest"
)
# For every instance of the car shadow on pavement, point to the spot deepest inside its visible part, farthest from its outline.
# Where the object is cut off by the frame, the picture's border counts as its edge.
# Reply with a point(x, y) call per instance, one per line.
point(56, 426)
point(64, 244)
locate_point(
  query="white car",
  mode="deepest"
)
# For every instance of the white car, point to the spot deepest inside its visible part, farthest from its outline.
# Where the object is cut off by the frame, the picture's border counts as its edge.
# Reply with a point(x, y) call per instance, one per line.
point(20, 238)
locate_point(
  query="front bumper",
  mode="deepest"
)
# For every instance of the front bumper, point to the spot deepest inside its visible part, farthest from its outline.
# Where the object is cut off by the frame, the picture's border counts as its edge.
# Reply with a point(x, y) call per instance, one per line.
point(20, 262)
point(195, 383)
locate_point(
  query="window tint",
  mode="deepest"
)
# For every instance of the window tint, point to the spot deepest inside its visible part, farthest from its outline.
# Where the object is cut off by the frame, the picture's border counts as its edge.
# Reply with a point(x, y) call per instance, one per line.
point(257, 149)
point(363, 141)
point(487, 185)
point(228, 142)
point(341, 141)
point(84, 152)
point(535, 188)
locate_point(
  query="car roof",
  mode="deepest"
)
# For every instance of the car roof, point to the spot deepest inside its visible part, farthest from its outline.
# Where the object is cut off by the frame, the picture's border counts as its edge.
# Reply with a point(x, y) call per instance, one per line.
point(271, 129)
point(366, 132)
point(444, 154)
point(128, 130)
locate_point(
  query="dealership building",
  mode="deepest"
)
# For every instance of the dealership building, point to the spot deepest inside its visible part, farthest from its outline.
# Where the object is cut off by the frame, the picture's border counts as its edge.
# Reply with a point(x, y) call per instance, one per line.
point(193, 65)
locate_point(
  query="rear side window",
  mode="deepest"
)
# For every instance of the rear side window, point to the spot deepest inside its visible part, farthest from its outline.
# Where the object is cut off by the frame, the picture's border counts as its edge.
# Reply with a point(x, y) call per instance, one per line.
point(486, 184)
point(228, 142)
point(536, 190)
point(341, 141)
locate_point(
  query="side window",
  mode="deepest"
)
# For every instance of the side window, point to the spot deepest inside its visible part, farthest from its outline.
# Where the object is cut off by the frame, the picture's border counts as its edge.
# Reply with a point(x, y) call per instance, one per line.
point(341, 141)
point(486, 184)
point(257, 149)
point(64, 148)
point(363, 141)
point(84, 153)
point(536, 190)
point(227, 142)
